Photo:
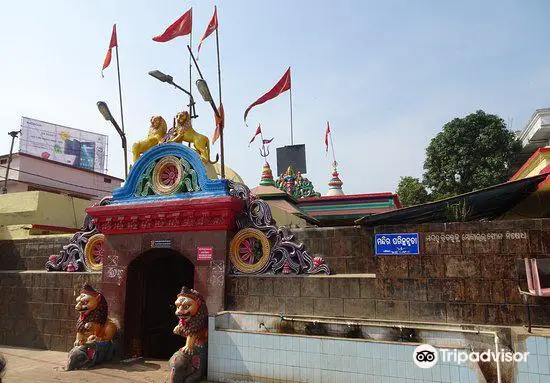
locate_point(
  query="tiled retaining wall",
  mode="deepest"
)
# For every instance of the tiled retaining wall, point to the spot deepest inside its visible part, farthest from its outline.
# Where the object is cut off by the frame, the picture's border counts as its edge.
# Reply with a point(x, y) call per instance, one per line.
point(537, 368)
point(465, 273)
point(261, 357)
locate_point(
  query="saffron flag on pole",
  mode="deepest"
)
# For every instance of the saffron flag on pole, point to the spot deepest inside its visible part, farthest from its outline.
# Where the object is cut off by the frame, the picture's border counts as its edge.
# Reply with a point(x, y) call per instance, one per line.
point(220, 122)
point(113, 43)
point(326, 137)
point(181, 27)
point(212, 26)
point(282, 86)
point(258, 131)
point(265, 142)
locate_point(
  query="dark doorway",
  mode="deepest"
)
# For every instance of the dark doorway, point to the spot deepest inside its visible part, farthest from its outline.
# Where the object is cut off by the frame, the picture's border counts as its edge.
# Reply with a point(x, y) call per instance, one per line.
point(154, 280)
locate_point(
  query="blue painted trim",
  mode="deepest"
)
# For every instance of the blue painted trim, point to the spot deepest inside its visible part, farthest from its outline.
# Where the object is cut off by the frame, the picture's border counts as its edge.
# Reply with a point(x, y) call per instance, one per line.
point(209, 188)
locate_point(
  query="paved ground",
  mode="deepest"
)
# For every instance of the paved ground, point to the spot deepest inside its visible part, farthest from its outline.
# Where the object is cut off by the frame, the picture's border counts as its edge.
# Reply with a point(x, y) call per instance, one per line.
point(31, 365)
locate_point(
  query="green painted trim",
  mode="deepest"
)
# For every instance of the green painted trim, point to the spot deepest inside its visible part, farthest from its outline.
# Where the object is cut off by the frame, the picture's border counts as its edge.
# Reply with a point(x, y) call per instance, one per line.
point(337, 217)
point(347, 206)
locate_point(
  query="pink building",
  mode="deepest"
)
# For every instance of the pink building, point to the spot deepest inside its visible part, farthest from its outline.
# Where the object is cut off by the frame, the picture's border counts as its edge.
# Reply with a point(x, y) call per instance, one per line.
point(28, 173)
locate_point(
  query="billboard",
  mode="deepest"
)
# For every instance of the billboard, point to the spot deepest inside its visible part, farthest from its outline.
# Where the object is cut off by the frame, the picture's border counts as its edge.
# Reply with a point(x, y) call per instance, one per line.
point(58, 143)
point(293, 155)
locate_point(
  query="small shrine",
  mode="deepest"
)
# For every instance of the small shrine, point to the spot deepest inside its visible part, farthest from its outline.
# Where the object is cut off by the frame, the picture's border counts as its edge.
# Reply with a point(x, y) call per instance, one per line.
point(294, 184)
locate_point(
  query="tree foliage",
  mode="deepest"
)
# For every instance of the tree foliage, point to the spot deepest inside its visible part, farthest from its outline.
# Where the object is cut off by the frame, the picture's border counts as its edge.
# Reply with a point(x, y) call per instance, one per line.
point(411, 191)
point(470, 153)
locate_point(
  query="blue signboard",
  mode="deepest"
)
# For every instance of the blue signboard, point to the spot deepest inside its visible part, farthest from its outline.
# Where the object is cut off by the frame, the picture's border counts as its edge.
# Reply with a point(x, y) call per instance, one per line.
point(394, 244)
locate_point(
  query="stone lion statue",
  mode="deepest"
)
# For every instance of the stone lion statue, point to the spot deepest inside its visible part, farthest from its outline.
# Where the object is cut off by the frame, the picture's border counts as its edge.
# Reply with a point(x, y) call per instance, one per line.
point(157, 131)
point(94, 330)
point(184, 132)
point(188, 364)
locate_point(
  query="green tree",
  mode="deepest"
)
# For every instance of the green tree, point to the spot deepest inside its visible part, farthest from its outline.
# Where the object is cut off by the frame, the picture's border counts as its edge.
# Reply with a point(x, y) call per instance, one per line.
point(411, 191)
point(470, 153)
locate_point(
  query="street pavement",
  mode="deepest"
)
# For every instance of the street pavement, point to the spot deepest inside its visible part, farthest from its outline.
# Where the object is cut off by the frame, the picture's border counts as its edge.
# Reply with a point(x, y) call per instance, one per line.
point(32, 365)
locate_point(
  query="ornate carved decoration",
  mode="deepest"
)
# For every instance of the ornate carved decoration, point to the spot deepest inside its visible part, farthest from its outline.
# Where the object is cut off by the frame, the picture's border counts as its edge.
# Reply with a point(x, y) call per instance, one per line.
point(296, 185)
point(284, 255)
point(177, 215)
point(84, 252)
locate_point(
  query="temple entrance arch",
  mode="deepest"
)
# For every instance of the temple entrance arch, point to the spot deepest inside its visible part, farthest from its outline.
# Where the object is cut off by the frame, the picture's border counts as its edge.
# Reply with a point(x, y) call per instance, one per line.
point(154, 278)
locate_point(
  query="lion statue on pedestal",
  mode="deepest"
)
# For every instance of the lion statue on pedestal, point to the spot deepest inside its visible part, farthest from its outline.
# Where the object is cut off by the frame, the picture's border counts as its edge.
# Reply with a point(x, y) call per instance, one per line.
point(184, 132)
point(94, 331)
point(188, 364)
point(157, 131)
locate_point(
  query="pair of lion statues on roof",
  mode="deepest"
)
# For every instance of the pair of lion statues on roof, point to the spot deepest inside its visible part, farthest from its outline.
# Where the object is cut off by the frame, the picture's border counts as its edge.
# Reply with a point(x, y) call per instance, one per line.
point(181, 132)
point(95, 332)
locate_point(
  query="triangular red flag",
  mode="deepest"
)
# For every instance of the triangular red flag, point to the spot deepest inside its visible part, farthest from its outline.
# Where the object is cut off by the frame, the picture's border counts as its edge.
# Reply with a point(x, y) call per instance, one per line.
point(180, 27)
point(282, 86)
point(212, 26)
point(113, 43)
point(268, 141)
point(258, 131)
point(326, 137)
point(220, 122)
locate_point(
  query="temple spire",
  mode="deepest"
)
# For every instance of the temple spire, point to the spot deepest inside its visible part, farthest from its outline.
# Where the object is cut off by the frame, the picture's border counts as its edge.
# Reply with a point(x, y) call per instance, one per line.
point(335, 184)
point(267, 176)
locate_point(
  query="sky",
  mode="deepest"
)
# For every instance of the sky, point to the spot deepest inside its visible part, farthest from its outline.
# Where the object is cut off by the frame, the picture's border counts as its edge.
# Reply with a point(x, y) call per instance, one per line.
point(386, 74)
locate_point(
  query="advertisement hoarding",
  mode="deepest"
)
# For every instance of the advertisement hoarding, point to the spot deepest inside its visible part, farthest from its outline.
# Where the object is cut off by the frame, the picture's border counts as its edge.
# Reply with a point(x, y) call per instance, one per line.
point(58, 143)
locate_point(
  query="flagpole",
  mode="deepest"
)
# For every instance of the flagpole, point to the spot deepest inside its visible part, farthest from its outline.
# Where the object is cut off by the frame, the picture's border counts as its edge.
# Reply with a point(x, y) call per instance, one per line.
point(190, 80)
point(119, 88)
point(220, 95)
point(262, 151)
point(291, 128)
point(332, 147)
point(121, 110)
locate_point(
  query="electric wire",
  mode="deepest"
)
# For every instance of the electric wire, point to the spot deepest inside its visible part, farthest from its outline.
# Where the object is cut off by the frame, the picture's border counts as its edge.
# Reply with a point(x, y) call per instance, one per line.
point(56, 180)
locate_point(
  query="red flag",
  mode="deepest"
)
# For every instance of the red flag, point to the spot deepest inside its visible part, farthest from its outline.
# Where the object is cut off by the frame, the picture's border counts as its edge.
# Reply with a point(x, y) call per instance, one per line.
point(268, 141)
point(181, 27)
point(220, 122)
point(113, 43)
point(326, 137)
point(258, 131)
point(212, 26)
point(282, 86)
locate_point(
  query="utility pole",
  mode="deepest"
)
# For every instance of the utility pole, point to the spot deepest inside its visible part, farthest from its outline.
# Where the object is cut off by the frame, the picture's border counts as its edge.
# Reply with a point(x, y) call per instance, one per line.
point(13, 134)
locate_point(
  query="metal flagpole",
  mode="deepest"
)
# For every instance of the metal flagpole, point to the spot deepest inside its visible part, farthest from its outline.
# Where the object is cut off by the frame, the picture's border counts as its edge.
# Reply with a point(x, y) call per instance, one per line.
point(220, 96)
point(291, 128)
point(332, 147)
point(190, 81)
point(119, 88)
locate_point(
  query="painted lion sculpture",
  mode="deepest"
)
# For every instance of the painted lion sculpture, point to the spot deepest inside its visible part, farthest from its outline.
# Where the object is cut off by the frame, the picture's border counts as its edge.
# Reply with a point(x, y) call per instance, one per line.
point(184, 132)
point(188, 364)
point(94, 331)
point(157, 131)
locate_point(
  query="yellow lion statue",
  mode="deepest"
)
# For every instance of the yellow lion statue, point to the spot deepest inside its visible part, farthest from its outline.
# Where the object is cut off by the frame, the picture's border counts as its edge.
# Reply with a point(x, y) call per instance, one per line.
point(184, 132)
point(93, 324)
point(157, 131)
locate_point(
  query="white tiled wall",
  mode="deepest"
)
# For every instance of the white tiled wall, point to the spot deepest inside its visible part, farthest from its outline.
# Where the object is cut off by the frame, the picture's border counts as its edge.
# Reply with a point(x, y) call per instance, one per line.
point(537, 368)
point(234, 355)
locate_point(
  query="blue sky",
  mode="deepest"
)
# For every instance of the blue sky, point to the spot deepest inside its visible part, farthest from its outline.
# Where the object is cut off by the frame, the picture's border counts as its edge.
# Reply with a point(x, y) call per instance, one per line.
point(386, 74)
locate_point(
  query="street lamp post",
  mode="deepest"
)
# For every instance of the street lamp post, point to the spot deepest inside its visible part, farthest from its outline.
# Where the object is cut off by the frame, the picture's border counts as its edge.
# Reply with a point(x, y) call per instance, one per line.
point(106, 113)
point(13, 134)
point(207, 96)
point(170, 80)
